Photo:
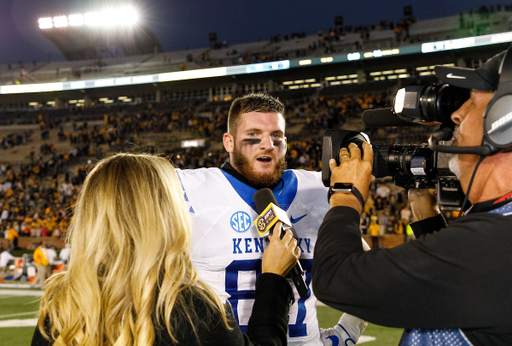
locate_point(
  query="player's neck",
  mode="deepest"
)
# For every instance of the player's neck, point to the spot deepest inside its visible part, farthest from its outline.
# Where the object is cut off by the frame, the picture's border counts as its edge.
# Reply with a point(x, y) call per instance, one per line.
point(228, 168)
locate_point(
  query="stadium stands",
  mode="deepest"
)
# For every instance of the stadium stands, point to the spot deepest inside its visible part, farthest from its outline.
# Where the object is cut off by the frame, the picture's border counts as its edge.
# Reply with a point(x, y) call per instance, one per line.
point(336, 40)
point(46, 148)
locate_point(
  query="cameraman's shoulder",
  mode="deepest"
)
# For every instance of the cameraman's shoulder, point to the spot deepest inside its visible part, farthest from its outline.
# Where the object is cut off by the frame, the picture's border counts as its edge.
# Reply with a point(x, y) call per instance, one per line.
point(479, 227)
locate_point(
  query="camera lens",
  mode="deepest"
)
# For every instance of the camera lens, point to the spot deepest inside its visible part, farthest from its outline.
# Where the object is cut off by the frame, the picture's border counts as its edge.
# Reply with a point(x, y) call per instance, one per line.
point(409, 165)
point(426, 104)
point(439, 101)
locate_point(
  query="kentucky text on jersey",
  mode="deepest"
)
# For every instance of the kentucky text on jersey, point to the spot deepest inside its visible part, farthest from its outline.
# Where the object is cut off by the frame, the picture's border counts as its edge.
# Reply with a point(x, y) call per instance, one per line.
point(250, 245)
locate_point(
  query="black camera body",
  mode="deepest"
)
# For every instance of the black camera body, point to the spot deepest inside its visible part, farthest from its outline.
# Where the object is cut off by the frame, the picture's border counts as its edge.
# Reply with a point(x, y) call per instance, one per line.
point(410, 166)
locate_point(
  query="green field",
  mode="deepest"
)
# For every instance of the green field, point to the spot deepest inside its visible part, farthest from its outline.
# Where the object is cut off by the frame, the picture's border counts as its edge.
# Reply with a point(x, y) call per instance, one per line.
point(13, 307)
point(20, 308)
point(19, 336)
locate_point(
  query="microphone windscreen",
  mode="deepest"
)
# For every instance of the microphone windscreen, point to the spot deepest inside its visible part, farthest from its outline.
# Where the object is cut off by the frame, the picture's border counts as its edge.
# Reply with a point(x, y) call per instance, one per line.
point(383, 117)
point(443, 134)
point(263, 198)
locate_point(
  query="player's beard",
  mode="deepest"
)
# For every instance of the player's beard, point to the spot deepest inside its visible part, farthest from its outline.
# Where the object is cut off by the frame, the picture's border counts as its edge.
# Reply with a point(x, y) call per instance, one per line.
point(257, 180)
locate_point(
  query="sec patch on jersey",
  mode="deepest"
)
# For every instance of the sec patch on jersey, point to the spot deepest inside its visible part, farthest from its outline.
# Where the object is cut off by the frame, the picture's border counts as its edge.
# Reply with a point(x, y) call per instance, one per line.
point(240, 221)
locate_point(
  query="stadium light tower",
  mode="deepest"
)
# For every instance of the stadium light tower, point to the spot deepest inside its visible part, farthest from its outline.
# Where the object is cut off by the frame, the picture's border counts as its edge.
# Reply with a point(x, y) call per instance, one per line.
point(76, 20)
point(124, 16)
point(45, 23)
point(60, 22)
point(82, 36)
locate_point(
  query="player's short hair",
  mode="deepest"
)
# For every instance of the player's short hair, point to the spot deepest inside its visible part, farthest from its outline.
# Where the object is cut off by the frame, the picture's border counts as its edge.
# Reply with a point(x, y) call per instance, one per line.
point(259, 102)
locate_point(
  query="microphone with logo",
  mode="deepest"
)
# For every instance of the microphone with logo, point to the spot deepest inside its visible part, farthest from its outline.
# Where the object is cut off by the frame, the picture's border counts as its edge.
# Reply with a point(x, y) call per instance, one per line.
point(270, 214)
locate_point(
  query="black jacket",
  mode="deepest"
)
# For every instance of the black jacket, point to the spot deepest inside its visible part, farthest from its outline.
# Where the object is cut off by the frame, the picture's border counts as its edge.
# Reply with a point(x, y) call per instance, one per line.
point(457, 277)
point(268, 324)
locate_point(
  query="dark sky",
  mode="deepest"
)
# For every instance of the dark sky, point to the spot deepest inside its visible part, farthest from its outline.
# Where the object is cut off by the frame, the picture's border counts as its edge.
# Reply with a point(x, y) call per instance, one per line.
point(181, 23)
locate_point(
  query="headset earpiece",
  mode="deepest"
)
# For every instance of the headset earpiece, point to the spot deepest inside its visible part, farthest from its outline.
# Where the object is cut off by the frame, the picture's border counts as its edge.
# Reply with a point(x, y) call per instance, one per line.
point(498, 113)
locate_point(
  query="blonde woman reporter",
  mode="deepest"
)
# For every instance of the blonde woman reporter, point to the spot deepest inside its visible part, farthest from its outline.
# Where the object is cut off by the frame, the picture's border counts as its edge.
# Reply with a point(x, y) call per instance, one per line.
point(131, 280)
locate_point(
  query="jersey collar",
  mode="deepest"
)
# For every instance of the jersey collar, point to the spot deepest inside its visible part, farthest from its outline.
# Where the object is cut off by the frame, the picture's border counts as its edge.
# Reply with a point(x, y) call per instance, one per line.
point(284, 192)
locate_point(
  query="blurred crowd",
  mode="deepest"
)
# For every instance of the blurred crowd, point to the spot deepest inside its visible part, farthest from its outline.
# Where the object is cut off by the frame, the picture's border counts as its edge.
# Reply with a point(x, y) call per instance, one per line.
point(329, 41)
point(36, 197)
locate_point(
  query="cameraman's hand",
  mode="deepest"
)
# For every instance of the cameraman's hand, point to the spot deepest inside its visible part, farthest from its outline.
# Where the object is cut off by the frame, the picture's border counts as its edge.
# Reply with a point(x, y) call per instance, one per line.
point(352, 169)
point(423, 203)
point(281, 254)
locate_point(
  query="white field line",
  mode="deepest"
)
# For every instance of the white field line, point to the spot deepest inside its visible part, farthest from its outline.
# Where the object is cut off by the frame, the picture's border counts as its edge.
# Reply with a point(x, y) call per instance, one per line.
point(35, 293)
point(19, 314)
point(31, 322)
point(365, 338)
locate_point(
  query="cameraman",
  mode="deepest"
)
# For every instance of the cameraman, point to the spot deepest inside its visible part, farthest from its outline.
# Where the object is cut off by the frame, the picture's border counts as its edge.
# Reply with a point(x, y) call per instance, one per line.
point(452, 285)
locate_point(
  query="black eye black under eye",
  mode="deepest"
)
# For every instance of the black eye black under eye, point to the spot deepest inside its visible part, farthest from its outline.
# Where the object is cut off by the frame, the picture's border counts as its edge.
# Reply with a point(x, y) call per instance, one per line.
point(279, 144)
point(251, 141)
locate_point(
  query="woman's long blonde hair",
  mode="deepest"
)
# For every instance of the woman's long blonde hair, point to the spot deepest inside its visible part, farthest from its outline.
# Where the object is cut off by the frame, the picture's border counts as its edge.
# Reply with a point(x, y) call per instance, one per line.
point(130, 259)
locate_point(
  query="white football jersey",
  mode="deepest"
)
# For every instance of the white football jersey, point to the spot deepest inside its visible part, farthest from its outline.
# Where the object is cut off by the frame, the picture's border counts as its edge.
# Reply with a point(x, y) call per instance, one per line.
point(227, 250)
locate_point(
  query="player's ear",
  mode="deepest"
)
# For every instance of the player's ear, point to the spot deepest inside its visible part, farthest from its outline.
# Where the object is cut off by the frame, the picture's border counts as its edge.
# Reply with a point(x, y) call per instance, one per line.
point(229, 142)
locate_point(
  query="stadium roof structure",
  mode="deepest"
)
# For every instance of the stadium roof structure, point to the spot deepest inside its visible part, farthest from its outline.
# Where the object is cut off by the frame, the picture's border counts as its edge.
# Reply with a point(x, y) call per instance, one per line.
point(83, 42)
point(270, 67)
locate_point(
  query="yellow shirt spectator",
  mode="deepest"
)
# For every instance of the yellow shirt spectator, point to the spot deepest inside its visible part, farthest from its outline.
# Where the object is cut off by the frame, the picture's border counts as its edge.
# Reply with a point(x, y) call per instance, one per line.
point(40, 256)
point(11, 234)
point(51, 225)
point(374, 230)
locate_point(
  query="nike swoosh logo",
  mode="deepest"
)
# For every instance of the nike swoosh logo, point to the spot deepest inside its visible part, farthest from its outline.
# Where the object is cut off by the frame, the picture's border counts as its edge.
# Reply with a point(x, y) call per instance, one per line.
point(297, 219)
point(452, 76)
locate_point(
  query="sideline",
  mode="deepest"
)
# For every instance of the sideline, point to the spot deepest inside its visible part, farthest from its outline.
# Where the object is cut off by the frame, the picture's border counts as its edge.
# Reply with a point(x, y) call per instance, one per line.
point(34, 293)
point(15, 285)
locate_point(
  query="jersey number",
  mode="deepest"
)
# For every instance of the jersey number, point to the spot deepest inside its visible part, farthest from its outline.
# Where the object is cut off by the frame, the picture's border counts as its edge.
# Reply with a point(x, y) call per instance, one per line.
point(294, 330)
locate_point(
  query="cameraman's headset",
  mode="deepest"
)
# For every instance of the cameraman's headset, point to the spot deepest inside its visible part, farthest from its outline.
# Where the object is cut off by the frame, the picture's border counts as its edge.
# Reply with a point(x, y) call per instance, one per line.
point(497, 119)
point(497, 124)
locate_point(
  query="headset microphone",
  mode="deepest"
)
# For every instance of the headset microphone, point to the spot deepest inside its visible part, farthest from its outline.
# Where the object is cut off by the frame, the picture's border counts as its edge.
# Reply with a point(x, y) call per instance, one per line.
point(445, 134)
